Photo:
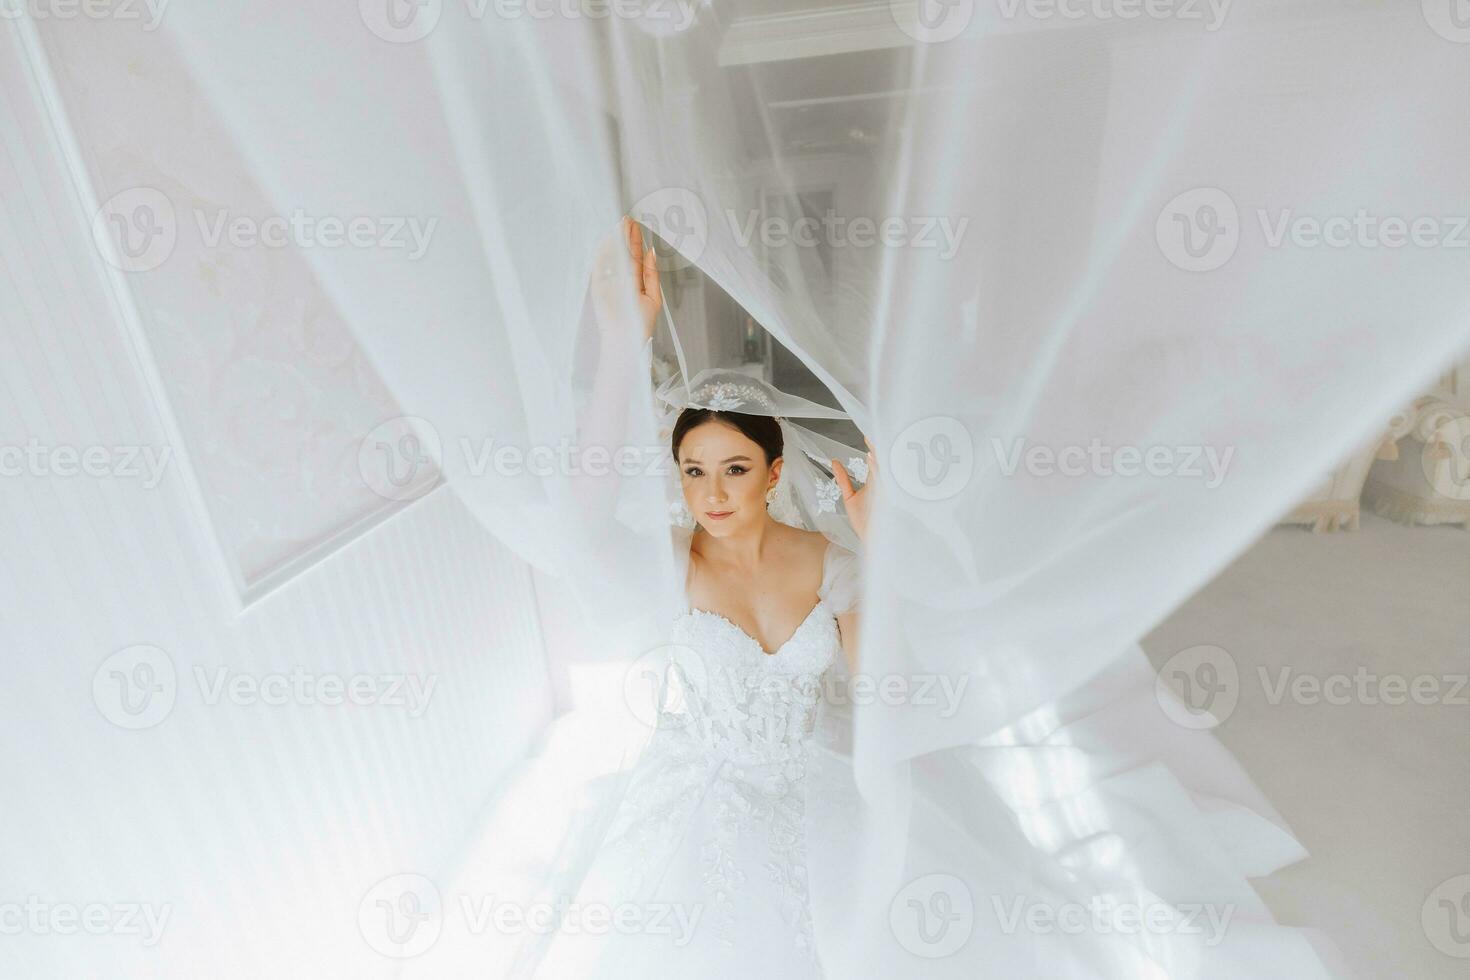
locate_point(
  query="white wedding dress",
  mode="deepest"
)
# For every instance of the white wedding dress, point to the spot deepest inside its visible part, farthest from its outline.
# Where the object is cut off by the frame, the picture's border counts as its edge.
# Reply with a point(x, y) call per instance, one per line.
point(727, 847)
point(710, 836)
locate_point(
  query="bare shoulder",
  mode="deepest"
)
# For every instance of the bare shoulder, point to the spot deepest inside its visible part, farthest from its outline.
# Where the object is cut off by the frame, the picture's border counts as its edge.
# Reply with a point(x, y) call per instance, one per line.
point(803, 539)
point(808, 549)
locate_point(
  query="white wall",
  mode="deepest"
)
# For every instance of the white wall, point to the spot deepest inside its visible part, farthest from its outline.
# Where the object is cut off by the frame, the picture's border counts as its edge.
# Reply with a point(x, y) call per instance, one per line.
point(256, 828)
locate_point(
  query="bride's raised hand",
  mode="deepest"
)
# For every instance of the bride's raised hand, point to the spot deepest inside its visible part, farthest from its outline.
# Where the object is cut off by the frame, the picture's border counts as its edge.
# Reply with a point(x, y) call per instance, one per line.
point(625, 279)
point(857, 502)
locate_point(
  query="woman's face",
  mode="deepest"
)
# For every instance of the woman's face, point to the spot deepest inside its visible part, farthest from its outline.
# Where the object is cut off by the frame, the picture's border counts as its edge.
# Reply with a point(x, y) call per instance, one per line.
point(725, 478)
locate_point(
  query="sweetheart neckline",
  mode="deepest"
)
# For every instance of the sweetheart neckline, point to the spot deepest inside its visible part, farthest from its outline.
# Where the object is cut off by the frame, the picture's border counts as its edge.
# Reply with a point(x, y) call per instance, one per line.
point(757, 643)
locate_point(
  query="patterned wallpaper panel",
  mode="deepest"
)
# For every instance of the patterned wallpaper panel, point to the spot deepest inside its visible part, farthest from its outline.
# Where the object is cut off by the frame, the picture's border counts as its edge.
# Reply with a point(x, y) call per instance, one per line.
point(271, 392)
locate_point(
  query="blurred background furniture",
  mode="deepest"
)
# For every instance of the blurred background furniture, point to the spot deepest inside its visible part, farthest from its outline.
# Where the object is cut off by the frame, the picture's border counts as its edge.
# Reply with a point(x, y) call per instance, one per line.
point(1428, 481)
point(1334, 504)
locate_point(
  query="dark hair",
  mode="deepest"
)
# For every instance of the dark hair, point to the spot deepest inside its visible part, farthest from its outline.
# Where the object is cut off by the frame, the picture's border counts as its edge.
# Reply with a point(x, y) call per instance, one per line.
point(763, 430)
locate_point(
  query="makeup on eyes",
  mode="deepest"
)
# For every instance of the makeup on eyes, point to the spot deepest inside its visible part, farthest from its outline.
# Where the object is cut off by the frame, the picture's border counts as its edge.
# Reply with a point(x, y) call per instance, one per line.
point(694, 463)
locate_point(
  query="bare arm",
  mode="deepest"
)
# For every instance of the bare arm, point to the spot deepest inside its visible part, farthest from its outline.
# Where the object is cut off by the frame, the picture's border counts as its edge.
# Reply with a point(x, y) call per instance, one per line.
point(625, 287)
point(626, 300)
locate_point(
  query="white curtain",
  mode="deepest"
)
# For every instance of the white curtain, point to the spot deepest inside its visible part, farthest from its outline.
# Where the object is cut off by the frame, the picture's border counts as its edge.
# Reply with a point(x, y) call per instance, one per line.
point(1108, 286)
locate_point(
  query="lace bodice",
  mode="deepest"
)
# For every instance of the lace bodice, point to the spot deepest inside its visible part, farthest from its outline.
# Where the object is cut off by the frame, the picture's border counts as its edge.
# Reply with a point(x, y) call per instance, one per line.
point(751, 706)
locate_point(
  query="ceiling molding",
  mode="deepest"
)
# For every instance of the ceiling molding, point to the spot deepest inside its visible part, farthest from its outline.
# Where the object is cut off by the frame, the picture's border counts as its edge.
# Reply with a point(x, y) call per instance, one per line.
point(838, 29)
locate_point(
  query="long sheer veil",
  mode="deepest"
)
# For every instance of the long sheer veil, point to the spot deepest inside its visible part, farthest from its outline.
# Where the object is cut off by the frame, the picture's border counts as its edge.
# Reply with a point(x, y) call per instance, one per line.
point(1019, 247)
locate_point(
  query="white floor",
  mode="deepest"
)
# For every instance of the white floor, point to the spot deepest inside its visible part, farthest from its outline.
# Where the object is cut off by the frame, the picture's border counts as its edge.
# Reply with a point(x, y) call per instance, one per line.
point(1379, 793)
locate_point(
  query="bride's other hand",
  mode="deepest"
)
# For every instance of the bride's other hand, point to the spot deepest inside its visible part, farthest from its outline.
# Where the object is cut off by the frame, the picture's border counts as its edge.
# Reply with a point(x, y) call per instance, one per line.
point(623, 268)
point(857, 502)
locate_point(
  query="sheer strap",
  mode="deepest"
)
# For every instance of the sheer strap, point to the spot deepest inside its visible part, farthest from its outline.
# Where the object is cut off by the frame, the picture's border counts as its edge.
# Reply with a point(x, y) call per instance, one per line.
point(842, 585)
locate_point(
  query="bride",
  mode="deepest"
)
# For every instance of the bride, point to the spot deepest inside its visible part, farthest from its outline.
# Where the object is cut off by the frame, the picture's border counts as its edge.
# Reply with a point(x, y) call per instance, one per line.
point(1094, 839)
point(711, 829)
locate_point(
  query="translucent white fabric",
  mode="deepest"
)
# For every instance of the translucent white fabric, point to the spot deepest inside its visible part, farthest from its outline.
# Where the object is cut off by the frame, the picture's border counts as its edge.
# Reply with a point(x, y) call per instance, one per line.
point(1106, 290)
point(842, 580)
